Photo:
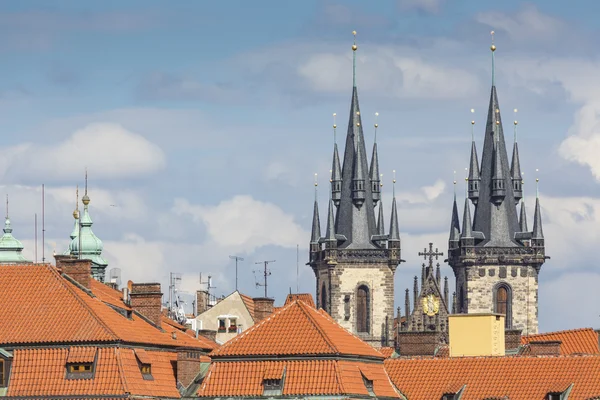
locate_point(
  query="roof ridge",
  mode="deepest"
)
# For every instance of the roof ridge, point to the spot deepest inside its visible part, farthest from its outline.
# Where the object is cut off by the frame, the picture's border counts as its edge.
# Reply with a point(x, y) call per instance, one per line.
point(563, 331)
point(303, 306)
point(92, 313)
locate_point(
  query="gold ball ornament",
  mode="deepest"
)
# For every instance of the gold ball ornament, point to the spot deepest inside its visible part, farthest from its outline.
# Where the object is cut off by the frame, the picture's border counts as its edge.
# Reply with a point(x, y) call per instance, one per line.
point(334, 126)
point(376, 125)
point(493, 47)
point(354, 47)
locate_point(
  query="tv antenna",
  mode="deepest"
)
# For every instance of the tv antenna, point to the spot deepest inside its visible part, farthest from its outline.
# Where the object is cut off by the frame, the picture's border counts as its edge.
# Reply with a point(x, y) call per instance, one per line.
point(115, 276)
point(266, 273)
point(208, 283)
point(174, 279)
point(236, 258)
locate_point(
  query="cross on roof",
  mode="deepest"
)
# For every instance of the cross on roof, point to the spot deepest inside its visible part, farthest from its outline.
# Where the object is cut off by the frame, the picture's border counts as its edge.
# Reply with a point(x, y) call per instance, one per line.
point(431, 254)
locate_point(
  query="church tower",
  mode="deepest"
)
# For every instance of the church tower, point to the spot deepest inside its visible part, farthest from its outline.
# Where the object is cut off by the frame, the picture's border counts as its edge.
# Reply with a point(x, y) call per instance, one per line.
point(495, 259)
point(354, 263)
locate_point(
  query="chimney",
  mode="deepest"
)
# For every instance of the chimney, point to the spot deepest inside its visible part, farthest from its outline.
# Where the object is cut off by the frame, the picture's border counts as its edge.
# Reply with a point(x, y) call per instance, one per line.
point(209, 334)
point(546, 348)
point(146, 298)
point(78, 270)
point(188, 366)
point(512, 339)
point(263, 307)
point(475, 335)
point(201, 301)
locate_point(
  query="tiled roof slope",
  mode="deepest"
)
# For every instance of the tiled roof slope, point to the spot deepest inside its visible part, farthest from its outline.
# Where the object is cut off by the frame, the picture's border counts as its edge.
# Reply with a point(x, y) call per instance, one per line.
point(517, 378)
point(305, 297)
point(576, 341)
point(249, 304)
point(41, 372)
point(297, 329)
point(387, 351)
point(306, 377)
point(68, 314)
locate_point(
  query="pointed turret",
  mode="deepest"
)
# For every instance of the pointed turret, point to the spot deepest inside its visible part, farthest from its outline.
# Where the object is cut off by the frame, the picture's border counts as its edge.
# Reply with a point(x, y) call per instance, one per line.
point(415, 291)
point(315, 236)
point(374, 170)
point(380, 223)
point(423, 275)
point(498, 181)
point(10, 248)
point(91, 246)
point(407, 308)
point(358, 178)
point(515, 170)
point(467, 232)
point(446, 291)
point(523, 219)
point(454, 239)
point(330, 238)
point(538, 233)
point(474, 173)
point(438, 275)
point(336, 170)
point(394, 228)
point(76, 226)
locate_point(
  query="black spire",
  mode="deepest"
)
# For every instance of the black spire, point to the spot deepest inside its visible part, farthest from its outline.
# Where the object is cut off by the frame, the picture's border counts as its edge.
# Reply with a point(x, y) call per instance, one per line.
point(336, 177)
point(515, 170)
point(438, 275)
point(474, 174)
point(454, 238)
point(406, 306)
point(330, 233)
point(415, 292)
point(523, 220)
point(374, 170)
point(453, 302)
point(394, 229)
point(446, 291)
point(538, 232)
point(358, 179)
point(467, 232)
point(498, 182)
point(380, 223)
point(316, 223)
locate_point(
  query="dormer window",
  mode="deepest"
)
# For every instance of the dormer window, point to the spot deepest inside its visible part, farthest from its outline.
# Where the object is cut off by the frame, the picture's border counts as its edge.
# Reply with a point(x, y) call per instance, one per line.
point(273, 380)
point(144, 364)
point(5, 362)
point(367, 382)
point(81, 362)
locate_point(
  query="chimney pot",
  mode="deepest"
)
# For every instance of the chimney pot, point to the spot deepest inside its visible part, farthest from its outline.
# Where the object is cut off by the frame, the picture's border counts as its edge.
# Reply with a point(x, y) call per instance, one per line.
point(146, 298)
point(77, 269)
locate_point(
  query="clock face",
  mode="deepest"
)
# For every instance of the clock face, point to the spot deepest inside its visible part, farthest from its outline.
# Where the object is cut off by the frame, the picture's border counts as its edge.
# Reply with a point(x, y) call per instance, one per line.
point(431, 305)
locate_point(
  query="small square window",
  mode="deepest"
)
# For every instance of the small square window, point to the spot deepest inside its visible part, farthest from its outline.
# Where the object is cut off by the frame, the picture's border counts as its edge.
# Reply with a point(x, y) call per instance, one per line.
point(222, 327)
point(146, 369)
point(272, 387)
point(80, 371)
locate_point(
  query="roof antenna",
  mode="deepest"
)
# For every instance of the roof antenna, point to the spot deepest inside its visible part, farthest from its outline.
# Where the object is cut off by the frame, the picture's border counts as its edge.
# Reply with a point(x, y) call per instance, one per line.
point(493, 49)
point(354, 47)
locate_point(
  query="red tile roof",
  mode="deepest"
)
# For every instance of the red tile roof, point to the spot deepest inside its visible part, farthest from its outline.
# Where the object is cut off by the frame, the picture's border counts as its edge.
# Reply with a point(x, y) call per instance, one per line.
point(296, 329)
point(306, 377)
point(305, 297)
point(518, 378)
point(386, 351)
point(249, 304)
point(576, 341)
point(58, 311)
point(41, 372)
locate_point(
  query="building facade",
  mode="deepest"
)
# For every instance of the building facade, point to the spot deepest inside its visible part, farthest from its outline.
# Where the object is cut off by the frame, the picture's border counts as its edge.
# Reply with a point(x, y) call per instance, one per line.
point(355, 261)
point(496, 259)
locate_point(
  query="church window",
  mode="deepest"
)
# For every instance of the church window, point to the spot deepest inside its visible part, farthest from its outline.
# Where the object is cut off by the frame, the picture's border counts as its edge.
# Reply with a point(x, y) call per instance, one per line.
point(347, 307)
point(323, 297)
point(502, 303)
point(363, 309)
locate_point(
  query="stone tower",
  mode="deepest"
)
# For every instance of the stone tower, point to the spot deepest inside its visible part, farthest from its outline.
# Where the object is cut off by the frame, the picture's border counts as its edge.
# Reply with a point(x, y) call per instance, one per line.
point(354, 263)
point(495, 259)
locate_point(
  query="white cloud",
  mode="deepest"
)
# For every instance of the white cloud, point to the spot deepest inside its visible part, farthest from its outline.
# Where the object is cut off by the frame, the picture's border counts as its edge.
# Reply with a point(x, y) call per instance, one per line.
point(107, 150)
point(429, 6)
point(245, 224)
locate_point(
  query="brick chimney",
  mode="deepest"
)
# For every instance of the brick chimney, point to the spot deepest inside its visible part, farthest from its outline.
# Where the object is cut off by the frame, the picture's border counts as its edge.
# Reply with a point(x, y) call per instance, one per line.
point(188, 366)
point(512, 338)
point(78, 270)
point(263, 307)
point(201, 301)
point(146, 298)
point(545, 348)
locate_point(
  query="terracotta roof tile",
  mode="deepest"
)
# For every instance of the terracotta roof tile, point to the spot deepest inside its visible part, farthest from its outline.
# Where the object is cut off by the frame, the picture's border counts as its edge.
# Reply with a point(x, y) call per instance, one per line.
point(249, 304)
point(297, 329)
point(387, 352)
point(81, 354)
point(302, 377)
point(576, 341)
point(163, 382)
point(305, 297)
point(518, 378)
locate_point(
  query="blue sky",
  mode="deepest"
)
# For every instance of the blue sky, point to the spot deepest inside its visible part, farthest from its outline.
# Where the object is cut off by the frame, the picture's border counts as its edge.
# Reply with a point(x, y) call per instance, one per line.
point(202, 125)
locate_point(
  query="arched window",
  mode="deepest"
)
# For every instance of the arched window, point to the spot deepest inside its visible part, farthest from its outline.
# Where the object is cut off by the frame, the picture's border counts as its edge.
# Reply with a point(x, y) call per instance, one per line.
point(324, 297)
point(362, 309)
point(503, 303)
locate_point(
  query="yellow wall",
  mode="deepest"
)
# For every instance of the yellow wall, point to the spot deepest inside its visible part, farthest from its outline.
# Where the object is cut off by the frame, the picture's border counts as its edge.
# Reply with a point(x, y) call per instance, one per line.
point(476, 335)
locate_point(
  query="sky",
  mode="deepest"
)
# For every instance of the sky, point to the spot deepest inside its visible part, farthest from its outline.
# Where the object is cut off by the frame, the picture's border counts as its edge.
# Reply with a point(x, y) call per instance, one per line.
point(202, 124)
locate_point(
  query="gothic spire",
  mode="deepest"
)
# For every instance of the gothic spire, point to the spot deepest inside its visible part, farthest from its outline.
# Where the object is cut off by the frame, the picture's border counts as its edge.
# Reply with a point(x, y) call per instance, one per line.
point(406, 306)
point(438, 275)
point(515, 169)
point(495, 220)
point(330, 233)
point(316, 223)
point(394, 229)
point(453, 302)
point(474, 175)
point(374, 170)
point(336, 171)
point(380, 223)
point(523, 220)
point(538, 233)
point(415, 291)
point(446, 292)
point(454, 224)
point(355, 219)
point(467, 231)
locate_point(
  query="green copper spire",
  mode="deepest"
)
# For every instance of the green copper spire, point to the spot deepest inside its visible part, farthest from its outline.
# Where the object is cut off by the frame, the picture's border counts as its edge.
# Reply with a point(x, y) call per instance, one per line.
point(10, 248)
point(91, 246)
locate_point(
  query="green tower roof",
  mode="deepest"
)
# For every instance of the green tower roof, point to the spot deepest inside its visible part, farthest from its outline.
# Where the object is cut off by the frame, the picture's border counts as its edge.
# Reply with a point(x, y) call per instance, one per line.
point(10, 248)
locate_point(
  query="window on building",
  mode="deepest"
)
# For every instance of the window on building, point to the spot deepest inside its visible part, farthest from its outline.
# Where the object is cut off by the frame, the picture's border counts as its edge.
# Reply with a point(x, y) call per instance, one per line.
point(222, 327)
point(80, 371)
point(146, 370)
point(554, 396)
point(502, 303)
point(232, 325)
point(324, 297)
point(272, 387)
point(368, 385)
point(362, 309)
point(80, 368)
point(448, 396)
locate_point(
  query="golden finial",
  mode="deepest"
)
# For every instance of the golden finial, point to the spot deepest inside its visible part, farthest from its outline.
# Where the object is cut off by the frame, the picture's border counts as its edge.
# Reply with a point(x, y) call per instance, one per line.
point(354, 46)
point(334, 132)
point(358, 113)
point(537, 181)
point(334, 124)
point(85, 199)
point(380, 180)
point(376, 115)
point(316, 181)
point(358, 124)
point(493, 46)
